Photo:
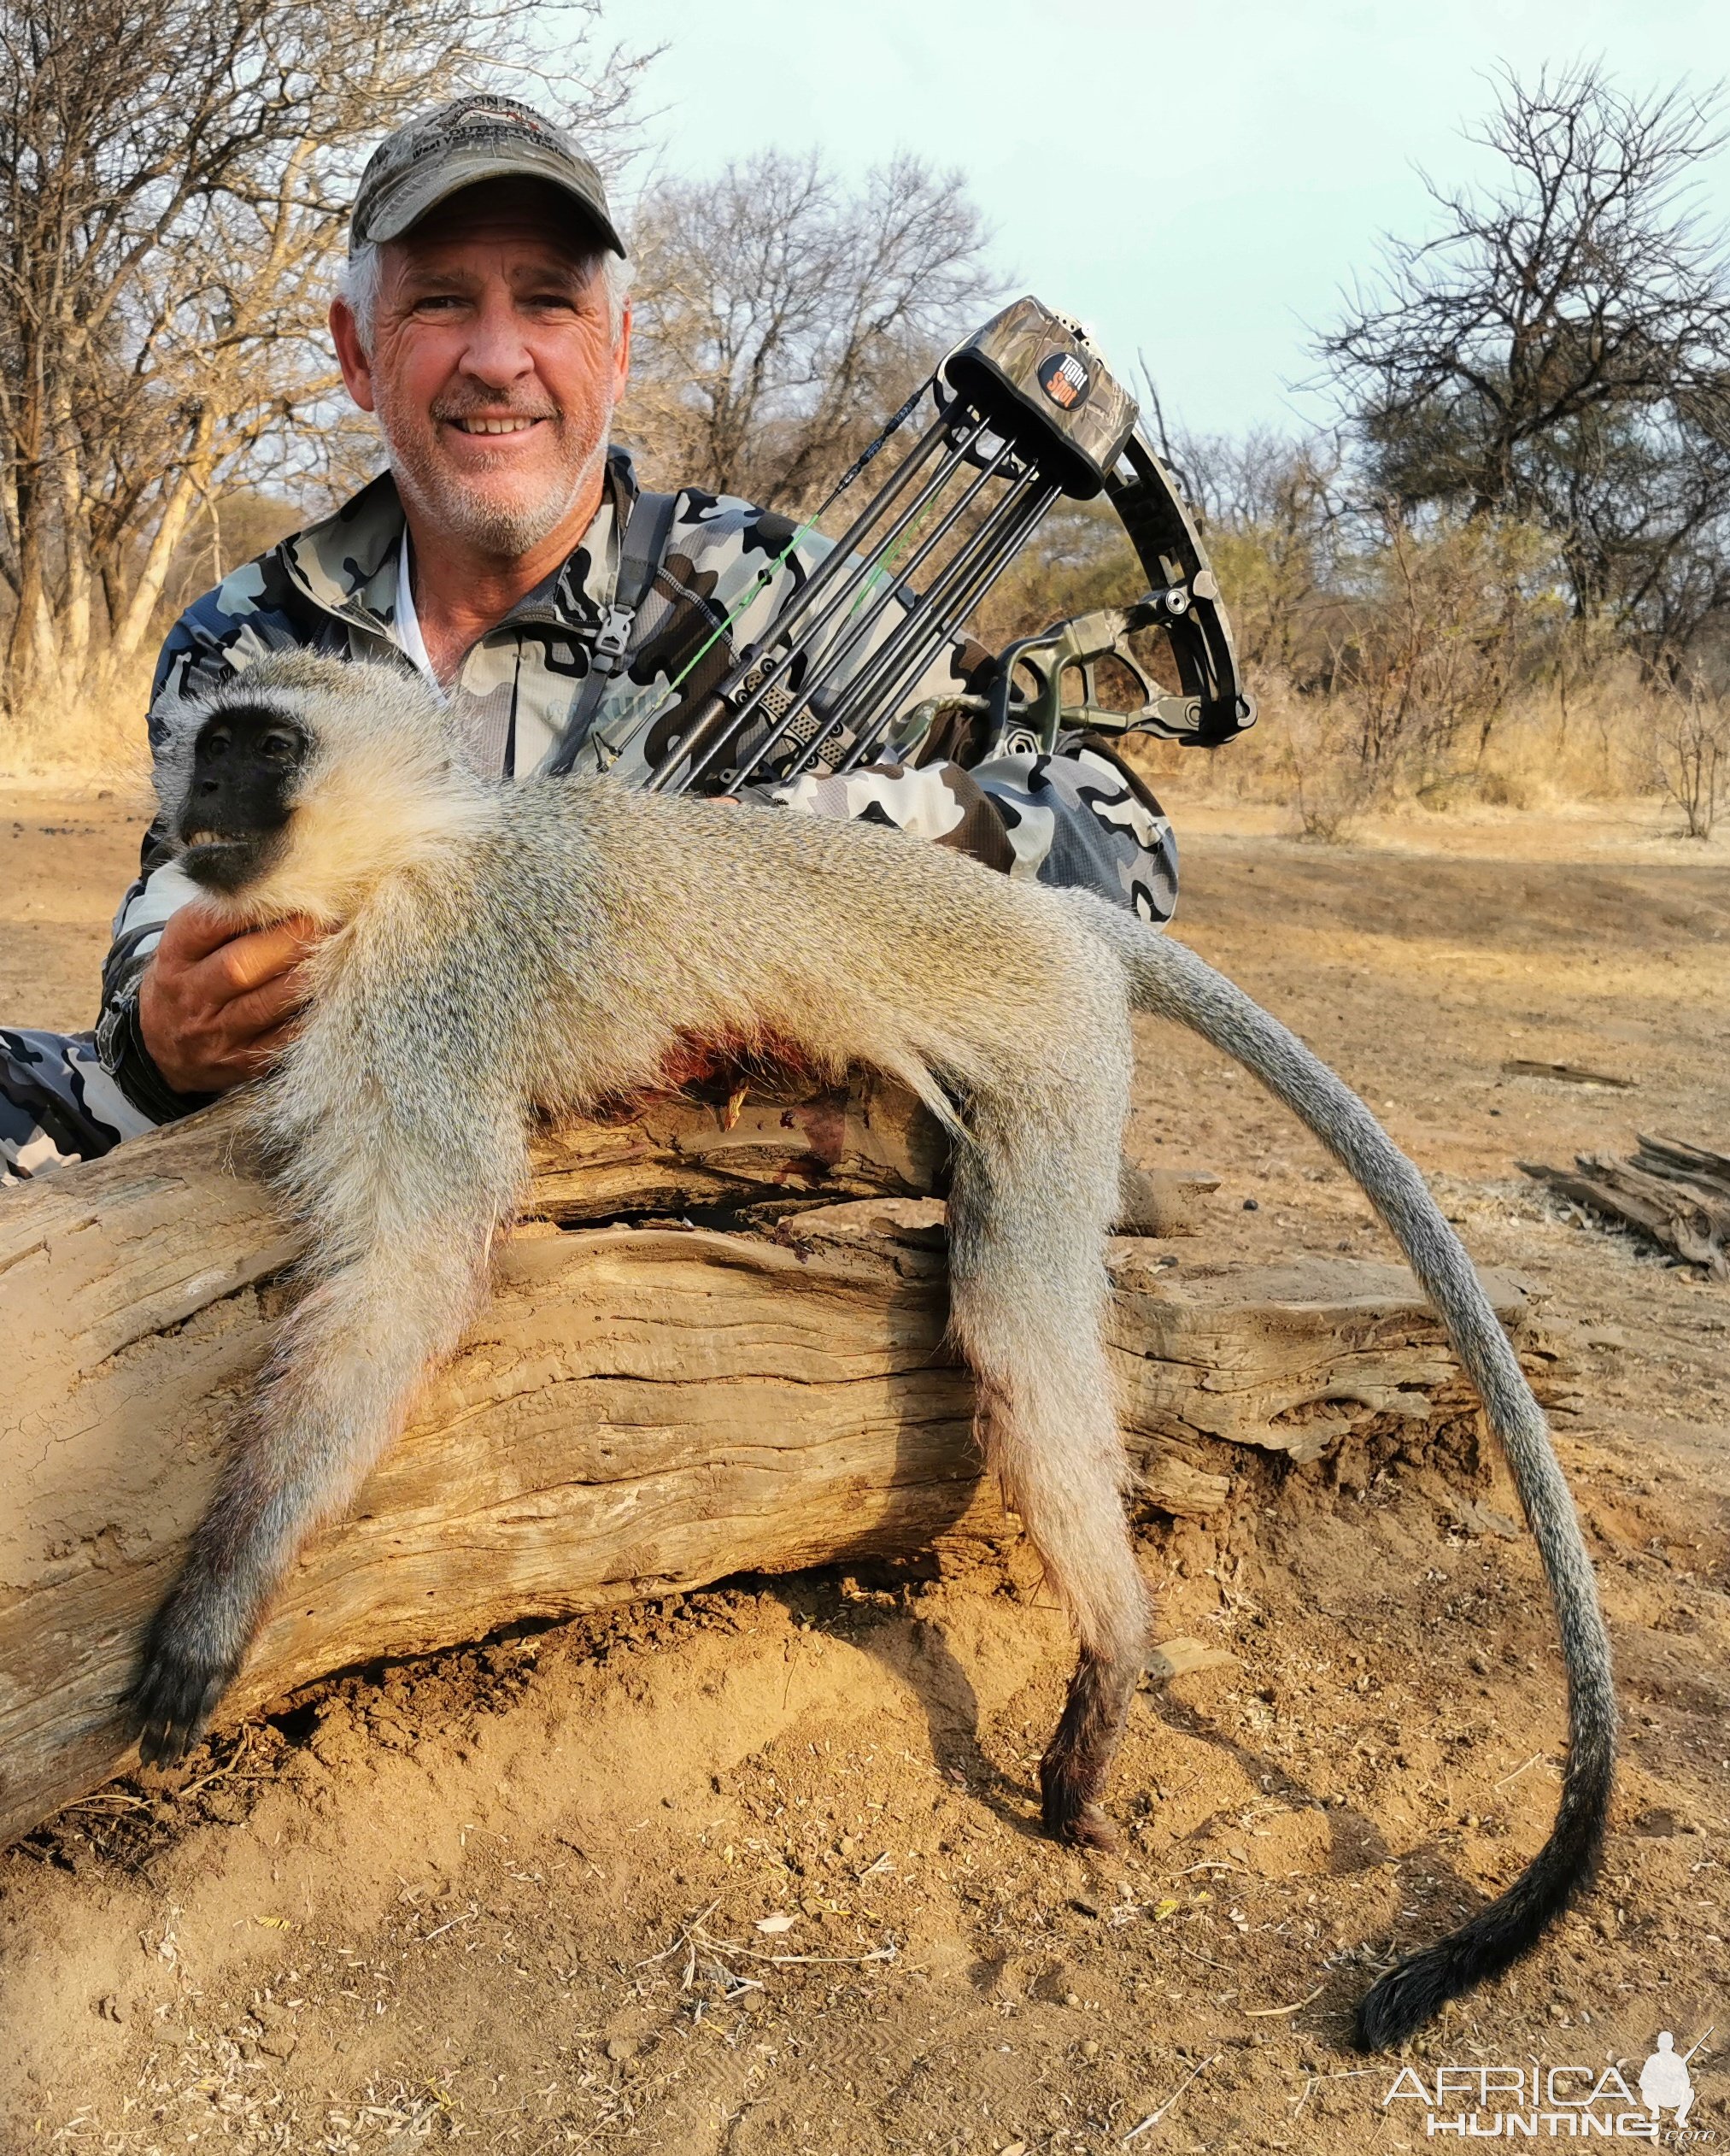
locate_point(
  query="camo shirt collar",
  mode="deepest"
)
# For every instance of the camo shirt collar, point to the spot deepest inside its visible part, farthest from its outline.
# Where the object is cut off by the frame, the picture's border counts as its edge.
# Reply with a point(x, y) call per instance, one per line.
point(348, 566)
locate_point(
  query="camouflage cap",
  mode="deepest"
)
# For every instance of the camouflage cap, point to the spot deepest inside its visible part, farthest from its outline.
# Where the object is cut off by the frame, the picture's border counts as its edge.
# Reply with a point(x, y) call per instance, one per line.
point(471, 139)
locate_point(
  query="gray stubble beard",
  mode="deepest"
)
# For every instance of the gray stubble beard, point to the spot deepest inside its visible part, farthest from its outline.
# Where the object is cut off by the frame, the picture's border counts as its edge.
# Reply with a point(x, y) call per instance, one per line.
point(501, 530)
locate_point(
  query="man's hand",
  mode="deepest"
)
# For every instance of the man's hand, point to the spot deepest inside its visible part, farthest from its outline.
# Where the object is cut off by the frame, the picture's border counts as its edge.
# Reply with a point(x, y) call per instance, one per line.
point(214, 1007)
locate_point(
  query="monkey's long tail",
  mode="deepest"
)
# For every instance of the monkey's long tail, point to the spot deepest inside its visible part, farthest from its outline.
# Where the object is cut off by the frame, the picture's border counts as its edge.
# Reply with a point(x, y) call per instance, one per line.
point(1167, 979)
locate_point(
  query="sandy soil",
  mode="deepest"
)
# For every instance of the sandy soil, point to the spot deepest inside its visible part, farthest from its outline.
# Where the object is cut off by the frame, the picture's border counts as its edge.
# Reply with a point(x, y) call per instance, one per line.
point(758, 1871)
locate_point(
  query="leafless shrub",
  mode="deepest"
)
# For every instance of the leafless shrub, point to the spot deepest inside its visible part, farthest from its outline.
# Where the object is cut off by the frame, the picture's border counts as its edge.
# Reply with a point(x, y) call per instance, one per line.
point(1442, 625)
point(1274, 512)
point(1327, 786)
point(1690, 751)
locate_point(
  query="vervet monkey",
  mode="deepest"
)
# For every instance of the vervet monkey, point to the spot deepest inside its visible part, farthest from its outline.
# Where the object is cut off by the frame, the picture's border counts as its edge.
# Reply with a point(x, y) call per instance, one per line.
point(501, 953)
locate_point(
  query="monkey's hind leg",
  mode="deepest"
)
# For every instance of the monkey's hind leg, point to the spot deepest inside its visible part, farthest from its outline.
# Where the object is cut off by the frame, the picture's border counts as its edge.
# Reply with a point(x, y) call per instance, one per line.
point(345, 1368)
point(1033, 1196)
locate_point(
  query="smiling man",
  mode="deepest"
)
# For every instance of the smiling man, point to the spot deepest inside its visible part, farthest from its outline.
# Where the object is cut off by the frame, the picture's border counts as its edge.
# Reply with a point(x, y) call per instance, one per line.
point(506, 554)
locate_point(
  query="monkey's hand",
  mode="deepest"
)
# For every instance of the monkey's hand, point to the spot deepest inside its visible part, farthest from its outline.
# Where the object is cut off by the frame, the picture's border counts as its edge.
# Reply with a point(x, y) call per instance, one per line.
point(188, 1662)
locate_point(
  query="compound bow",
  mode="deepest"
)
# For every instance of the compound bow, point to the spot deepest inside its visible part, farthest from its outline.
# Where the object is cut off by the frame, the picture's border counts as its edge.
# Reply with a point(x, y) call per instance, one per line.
point(1025, 414)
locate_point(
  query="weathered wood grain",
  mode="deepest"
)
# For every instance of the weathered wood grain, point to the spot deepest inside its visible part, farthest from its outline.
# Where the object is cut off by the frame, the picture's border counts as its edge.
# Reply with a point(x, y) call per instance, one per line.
point(643, 1407)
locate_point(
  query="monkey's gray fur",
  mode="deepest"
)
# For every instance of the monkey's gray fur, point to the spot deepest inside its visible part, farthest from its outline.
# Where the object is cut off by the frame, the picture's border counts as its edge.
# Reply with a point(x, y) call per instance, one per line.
point(546, 947)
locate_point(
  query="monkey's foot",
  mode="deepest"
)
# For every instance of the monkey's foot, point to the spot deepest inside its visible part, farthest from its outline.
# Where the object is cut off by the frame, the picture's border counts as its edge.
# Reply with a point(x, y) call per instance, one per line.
point(173, 1699)
point(1085, 1828)
point(1073, 1771)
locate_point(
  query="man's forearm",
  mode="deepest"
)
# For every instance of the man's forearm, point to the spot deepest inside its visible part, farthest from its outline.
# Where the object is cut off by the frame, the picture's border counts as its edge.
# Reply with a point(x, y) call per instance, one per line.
point(143, 914)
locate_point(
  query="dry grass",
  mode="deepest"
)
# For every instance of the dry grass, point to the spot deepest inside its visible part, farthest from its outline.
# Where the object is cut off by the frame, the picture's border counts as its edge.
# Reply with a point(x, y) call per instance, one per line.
point(1548, 750)
point(85, 742)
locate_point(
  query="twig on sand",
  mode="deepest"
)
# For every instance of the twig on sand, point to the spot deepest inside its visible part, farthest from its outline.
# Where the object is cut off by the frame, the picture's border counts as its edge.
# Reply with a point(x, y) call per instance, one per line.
point(689, 1932)
point(695, 1936)
point(1257, 2014)
point(1153, 2117)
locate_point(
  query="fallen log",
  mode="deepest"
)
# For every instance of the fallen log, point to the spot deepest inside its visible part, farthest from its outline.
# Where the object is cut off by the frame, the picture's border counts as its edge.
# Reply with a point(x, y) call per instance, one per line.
point(1677, 1195)
point(648, 1405)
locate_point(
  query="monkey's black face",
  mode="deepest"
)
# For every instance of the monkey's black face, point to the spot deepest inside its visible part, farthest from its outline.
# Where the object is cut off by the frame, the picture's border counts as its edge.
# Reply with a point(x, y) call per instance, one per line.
point(244, 764)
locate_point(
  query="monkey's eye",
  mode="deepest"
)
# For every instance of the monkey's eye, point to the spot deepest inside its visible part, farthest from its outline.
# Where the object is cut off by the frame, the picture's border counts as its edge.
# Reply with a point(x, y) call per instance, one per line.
point(281, 748)
point(218, 742)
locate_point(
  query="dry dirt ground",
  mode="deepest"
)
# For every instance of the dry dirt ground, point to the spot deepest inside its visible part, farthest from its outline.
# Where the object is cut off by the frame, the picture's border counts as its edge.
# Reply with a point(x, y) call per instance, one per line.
point(757, 1872)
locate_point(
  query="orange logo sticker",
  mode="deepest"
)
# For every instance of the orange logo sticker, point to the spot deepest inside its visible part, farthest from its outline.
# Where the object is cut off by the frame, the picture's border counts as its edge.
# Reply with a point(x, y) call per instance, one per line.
point(1063, 378)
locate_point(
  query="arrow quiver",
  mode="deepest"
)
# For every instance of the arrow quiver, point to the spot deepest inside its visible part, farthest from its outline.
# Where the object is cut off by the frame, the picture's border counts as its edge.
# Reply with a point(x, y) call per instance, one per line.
point(1023, 413)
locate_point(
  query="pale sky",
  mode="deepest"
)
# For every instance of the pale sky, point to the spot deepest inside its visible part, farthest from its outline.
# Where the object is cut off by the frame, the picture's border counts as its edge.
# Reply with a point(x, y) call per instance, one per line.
point(1196, 182)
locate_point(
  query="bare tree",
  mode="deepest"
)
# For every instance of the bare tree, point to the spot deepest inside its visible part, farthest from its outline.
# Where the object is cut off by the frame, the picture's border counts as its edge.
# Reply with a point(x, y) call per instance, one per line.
point(780, 318)
point(174, 178)
point(1275, 513)
point(1556, 350)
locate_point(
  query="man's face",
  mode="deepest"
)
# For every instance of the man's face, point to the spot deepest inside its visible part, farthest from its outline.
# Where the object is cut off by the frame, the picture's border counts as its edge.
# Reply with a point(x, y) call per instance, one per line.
point(492, 370)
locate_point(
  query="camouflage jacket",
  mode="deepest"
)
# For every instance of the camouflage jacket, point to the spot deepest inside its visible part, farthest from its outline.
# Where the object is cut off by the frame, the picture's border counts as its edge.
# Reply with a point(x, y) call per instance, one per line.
point(335, 588)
